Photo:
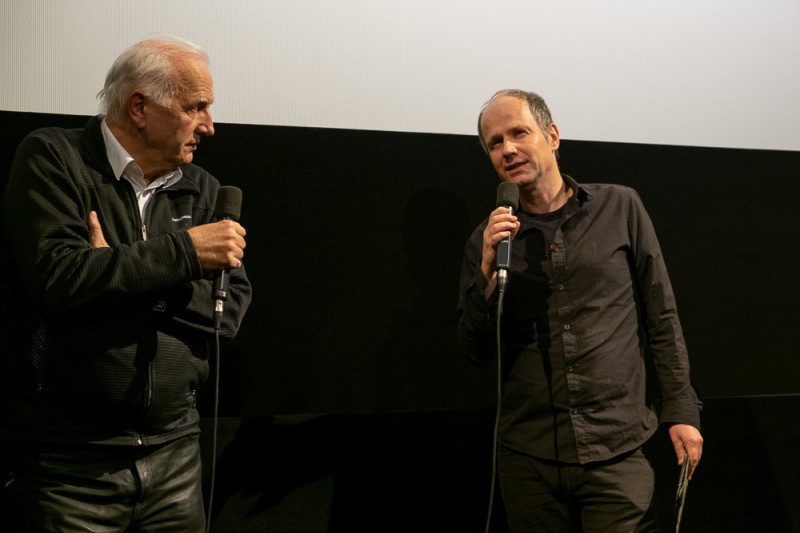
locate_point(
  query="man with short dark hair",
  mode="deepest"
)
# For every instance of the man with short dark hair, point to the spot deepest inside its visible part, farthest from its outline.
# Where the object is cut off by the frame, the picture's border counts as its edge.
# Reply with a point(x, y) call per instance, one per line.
point(587, 297)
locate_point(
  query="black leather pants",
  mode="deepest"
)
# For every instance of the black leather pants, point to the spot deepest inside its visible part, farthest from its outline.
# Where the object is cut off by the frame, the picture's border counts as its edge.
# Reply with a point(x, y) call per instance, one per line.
point(70, 488)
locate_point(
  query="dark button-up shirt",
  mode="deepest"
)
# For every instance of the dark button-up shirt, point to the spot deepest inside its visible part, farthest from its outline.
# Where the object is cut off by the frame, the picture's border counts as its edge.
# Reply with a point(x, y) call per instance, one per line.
point(581, 313)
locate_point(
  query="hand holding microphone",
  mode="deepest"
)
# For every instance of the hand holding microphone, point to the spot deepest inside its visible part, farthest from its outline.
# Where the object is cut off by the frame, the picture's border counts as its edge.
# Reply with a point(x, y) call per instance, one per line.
point(220, 245)
point(498, 234)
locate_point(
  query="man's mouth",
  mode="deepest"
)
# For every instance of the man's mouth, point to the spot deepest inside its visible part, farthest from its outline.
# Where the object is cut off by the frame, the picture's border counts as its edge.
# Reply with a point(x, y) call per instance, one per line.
point(514, 166)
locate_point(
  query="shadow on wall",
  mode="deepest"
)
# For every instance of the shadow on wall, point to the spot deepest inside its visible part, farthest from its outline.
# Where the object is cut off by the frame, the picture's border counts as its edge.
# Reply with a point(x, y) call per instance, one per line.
point(420, 361)
point(390, 473)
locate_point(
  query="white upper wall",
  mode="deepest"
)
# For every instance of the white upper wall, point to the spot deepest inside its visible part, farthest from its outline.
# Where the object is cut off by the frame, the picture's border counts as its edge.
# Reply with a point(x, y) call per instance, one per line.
point(721, 73)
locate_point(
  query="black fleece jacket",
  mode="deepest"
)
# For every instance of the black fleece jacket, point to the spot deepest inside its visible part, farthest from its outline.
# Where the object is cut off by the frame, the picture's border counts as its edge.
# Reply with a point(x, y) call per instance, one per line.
point(104, 345)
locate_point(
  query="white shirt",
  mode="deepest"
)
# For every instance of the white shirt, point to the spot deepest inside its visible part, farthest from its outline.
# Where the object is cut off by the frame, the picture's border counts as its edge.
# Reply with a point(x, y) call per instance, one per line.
point(125, 167)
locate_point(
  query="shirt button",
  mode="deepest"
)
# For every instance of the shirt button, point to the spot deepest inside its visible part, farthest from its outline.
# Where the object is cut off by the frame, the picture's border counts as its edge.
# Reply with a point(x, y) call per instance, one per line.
point(570, 369)
point(560, 287)
point(567, 327)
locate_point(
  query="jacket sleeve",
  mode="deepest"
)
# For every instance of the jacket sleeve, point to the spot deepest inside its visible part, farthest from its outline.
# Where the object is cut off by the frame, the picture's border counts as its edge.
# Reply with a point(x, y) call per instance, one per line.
point(192, 306)
point(49, 195)
point(477, 318)
point(661, 322)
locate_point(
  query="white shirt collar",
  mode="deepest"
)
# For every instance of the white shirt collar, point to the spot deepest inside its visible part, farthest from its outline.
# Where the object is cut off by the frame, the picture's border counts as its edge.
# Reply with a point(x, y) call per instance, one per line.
point(123, 164)
point(125, 167)
point(117, 155)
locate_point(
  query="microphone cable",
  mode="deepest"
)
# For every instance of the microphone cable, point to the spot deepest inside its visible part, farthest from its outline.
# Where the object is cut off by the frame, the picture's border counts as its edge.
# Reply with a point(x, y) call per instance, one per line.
point(228, 206)
point(507, 196)
point(499, 391)
point(214, 432)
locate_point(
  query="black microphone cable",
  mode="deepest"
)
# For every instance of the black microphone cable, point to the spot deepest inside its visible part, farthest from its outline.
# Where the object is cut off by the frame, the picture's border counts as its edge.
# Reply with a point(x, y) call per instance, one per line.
point(228, 207)
point(507, 196)
point(499, 390)
point(214, 431)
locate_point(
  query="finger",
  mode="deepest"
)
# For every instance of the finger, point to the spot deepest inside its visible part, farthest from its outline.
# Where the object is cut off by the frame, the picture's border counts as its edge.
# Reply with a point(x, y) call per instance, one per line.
point(500, 236)
point(693, 453)
point(692, 466)
point(681, 453)
point(96, 237)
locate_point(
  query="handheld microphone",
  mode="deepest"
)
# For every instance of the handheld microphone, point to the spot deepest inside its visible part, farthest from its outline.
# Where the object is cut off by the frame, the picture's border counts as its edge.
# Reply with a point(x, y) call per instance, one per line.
point(228, 207)
point(507, 196)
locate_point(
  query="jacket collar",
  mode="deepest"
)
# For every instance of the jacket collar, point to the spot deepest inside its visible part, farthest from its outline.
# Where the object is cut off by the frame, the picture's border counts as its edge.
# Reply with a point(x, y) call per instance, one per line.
point(93, 147)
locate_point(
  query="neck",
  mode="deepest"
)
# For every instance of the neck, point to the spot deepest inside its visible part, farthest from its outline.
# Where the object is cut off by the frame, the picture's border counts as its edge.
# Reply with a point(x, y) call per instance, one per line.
point(128, 136)
point(548, 198)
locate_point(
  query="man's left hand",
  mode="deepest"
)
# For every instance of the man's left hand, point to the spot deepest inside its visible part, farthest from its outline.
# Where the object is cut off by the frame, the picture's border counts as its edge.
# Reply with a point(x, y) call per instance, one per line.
point(687, 441)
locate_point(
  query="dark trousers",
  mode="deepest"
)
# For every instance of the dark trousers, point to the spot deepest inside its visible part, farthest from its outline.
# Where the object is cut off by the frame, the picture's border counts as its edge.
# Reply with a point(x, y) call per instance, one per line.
point(106, 489)
point(603, 497)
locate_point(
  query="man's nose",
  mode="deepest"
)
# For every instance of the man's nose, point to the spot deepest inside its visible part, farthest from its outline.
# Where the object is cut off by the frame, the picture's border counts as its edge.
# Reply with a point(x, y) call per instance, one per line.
point(206, 126)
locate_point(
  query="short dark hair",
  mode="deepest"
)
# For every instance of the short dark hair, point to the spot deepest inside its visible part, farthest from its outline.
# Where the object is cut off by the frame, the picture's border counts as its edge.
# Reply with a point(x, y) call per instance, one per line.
point(536, 103)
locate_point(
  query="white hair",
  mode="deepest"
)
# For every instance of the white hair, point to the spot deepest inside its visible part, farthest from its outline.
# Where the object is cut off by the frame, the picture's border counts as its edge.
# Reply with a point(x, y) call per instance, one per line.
point(147, 66)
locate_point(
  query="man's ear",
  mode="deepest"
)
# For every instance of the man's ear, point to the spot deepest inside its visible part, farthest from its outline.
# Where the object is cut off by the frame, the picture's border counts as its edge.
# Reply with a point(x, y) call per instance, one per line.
point(554, 138)
point(136, 109)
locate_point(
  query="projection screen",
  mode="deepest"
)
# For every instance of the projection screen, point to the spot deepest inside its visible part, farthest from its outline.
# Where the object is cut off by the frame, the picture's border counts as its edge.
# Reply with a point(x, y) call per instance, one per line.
point(719, 73)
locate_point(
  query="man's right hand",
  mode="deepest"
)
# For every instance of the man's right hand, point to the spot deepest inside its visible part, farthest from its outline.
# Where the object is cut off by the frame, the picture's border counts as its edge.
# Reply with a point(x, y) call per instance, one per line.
point(219, 245)
point(501, 225)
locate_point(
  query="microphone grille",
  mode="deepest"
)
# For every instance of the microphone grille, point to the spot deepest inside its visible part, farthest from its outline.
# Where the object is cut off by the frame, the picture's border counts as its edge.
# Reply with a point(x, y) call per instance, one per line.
point(507, 195)
point(229, 203)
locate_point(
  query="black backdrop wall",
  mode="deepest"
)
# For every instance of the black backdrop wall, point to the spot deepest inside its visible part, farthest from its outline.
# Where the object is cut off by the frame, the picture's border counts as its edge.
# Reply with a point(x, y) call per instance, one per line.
point(355, 242)
point(354, 250)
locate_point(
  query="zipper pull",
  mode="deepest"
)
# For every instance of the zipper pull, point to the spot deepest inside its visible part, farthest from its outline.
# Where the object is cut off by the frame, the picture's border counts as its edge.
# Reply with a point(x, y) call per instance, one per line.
point(144, 232)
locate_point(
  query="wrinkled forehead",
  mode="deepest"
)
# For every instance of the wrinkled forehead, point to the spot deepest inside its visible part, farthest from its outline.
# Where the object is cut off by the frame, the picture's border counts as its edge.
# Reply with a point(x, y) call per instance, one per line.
point(194, 80)
point(505, 111)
